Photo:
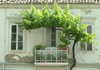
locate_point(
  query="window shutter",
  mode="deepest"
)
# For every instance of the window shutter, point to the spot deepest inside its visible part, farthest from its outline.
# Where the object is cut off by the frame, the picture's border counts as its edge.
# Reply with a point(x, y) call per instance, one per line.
point(89, 46)
point(85, 45)
point(51, 37)
point(82, 44)
point(48, 40)
point(89, 29)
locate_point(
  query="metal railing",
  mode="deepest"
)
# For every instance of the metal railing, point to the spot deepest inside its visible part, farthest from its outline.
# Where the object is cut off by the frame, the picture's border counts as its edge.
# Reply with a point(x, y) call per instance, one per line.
point(49, 1)
point(51, 55)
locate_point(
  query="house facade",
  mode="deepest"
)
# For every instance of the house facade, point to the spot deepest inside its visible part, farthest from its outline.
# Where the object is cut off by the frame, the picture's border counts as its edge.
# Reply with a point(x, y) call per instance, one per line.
point(17, 46)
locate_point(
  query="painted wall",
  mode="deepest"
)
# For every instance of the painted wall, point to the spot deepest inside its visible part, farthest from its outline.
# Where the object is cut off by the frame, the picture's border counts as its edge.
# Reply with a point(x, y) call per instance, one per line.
point(9, 14)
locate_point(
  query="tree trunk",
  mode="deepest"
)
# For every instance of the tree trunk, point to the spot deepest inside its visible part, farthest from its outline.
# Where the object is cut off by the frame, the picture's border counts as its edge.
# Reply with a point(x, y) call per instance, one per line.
point(73, 51)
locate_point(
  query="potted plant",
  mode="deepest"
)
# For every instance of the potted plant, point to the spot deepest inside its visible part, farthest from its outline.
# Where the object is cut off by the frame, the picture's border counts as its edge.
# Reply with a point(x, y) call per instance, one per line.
point(50, 58)
point(43, 58)
point(40, 57)
point(64, 40)
point(40, 47)
point(62, 57)
point(53, 58)
point(59, 58)
point(62, 47)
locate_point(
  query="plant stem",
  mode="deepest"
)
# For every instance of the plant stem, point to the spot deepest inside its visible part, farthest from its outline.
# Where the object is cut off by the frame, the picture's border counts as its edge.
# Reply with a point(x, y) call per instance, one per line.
point(73, 51)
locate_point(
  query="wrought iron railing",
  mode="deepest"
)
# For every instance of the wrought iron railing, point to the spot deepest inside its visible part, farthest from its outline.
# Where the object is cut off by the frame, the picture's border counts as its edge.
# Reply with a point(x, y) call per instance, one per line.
point(49, 1)
point(51, 55)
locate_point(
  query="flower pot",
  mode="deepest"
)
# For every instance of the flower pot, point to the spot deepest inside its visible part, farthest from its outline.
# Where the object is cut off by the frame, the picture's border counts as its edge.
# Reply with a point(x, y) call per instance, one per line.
point(48, 61)
point(43, 48)
point(59, 61)
point(40, 48)
point(53, 60)
point(63, 48)
point(43, 61)
point(65, 60)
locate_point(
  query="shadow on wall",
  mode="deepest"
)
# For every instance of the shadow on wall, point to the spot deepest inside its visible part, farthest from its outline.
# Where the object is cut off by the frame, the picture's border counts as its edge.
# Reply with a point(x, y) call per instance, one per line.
point(14, 58)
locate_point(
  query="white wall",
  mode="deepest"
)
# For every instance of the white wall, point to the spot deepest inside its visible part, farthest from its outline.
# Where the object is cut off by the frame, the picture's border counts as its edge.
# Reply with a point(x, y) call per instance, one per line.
point(8, 14)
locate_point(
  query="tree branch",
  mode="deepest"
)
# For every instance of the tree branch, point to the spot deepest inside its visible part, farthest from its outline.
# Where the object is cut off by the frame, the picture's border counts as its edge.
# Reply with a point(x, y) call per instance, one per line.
point(59, 29)
point(71, 39)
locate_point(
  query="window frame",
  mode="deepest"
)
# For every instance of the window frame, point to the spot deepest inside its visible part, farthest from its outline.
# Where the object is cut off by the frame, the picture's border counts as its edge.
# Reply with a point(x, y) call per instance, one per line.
point(16, 38)
point(86, 42)
point(50, 37)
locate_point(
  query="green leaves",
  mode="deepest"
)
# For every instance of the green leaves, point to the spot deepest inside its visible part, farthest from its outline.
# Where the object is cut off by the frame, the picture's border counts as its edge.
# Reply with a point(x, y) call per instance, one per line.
point(72, 28)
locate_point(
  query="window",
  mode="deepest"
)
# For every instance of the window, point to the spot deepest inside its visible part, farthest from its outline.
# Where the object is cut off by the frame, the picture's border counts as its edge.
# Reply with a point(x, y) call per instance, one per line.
point(16, 42)
point(85, 45)
point(51, 37)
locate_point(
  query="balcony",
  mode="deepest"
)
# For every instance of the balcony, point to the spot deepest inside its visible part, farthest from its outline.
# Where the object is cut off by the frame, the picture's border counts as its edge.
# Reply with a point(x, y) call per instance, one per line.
point(48, 1)
point(51, 56)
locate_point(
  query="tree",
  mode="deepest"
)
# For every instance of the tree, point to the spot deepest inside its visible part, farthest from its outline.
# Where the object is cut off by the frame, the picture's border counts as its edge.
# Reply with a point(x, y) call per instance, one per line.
point(71, 27)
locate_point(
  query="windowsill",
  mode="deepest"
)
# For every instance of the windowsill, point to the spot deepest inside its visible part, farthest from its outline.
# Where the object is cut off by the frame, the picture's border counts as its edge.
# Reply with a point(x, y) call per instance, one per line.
point(85, 51)
point(17, 51)
point(51, 64)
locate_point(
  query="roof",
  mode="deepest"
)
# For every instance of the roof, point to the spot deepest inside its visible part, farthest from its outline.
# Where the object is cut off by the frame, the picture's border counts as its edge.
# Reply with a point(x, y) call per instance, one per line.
point(46, 1)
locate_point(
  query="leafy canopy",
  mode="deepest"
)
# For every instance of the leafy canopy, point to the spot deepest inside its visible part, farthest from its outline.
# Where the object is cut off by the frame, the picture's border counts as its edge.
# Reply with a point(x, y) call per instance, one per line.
point(70, 26)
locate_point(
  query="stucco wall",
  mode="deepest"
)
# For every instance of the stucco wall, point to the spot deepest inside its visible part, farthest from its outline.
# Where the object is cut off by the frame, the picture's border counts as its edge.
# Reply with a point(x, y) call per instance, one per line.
point(2, 32)
point(8, 15)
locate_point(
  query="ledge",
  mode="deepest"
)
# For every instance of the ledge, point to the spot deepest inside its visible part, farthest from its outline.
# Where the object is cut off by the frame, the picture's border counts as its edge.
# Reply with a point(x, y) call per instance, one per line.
point(63, 5)
point(87, 65)
point(51, 64)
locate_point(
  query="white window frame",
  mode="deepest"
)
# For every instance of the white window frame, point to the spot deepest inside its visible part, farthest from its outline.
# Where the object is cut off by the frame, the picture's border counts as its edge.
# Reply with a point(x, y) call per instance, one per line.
point(16, 38)
point(86, 42)
point(50, 38)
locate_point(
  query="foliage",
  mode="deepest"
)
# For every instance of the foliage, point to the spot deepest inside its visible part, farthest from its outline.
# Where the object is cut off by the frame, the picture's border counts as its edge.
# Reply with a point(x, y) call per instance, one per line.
point(71, 26)
point(43, 18)
point(40, 46)
point(50, 57)
point(76, 31)
point(62, 45)
point(39, 57)
point(62, 56)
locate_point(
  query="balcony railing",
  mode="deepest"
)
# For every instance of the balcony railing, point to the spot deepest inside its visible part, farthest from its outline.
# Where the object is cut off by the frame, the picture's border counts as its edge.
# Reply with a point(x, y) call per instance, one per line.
point(51, 55)
point(49, 1)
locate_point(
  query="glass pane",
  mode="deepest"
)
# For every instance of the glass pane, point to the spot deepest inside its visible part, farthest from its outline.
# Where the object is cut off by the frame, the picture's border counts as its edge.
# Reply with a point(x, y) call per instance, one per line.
point(13, 45)
point(48, 30)
point(13, 37)
point(82, 45)
point(20, 45)
point(19, 26)
point(48, 37)
point(53, 36)
point(14, 29)
point(20, 37)
point(48, 43)
point(20, 31)
point(53, 43)
point(48, 40)
point(53, 30)
point(89, 29)
point(89, 46)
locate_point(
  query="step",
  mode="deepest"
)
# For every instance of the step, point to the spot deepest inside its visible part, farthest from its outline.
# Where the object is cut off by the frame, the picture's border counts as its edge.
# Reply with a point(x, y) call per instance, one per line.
point(18, 67)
